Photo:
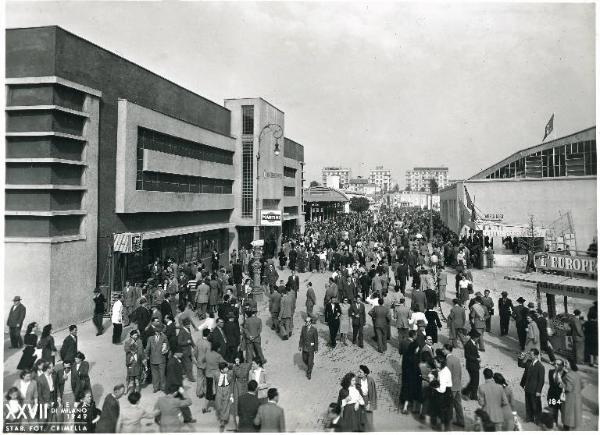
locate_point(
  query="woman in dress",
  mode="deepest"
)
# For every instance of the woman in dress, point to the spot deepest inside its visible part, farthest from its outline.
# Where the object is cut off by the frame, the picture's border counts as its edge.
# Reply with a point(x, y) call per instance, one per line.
point(30, 340)
point(257, 373)
point(572, 407)
point(508, 409)
point(556, 388)
point(86, 413)
point(345, 325)
point(46, 343)
point(213, 359)
point(240, 372)
point(223, 396)
point(433, 323)
point(352, 405)
point(82, 369)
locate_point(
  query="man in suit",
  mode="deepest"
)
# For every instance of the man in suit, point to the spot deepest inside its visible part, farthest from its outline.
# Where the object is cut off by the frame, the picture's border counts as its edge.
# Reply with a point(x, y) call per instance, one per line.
point(472, 365)
point(16, 316)
point(270, 416)
point(492, 398)
point(505, 308)
point(545, 344)
point(68, 386)
point(381, 319)
point(201, 349)
point(331, 291)
point(533, 382)
point(47, 389)
point(488, 303)
point(252, 331)
point(311, 299)
point(99, 308)
point(402, 275)
point(359, 319)
point(186, 346)
point(110, 411)
point(419, 301)
point(157, 349)
point(402, 316)
point(309, 344)
point(478, 317)
point(333, 311)
point(457, 320)
point(69, 346)
point(366, 387)
point(453, 364)
point(442, 283)
point(578, 336)
point(519, 313)
point(247, 408)
point(275, 308)
point(175, 371)
point(285, 316)
point(219, 338)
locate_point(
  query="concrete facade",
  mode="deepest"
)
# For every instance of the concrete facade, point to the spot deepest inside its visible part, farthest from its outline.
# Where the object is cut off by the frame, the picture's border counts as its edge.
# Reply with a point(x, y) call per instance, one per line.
point(418, 178)
point(337, 171)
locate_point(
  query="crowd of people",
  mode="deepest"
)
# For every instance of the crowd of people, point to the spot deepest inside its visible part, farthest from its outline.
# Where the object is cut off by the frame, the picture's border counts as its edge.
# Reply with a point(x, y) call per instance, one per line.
point(389, 265)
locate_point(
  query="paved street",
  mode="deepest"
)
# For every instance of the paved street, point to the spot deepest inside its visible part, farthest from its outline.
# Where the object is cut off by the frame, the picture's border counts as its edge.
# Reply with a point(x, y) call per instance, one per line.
point(305, 402)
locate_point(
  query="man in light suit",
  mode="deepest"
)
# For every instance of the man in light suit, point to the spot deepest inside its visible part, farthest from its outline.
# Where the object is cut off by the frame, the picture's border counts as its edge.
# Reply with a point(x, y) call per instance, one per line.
point(533, 382)
point(366, 386)
point(247, 408)
point(311, 299)
point(252, 330)
point(457, 320)
point(186, 345)
point(16, 316)
point(492, 398)
point(453, 364)
point(402, 316)
point(309, 344)
point(478, 316)
point(285, 316)
point(157, 348)
point(419, 301)
point(358, 315)
point(381, 319)
point(270, 416)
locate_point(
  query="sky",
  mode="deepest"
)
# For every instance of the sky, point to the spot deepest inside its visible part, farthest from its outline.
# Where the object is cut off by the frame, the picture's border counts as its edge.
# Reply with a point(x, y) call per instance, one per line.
point(462, 85)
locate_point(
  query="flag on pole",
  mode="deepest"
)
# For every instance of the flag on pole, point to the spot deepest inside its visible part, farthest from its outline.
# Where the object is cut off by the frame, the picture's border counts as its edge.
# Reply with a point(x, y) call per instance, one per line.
point(549, 127)
point(470, 205)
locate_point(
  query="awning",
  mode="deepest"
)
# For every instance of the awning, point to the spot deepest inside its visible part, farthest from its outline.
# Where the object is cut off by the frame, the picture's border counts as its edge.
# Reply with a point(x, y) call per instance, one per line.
point(559, 284)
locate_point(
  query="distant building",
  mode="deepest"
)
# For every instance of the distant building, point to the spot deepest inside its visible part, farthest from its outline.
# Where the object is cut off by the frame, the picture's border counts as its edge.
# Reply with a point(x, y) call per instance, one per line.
point(338, 171)
point(418, 179)
point(324, 203)
point(381, 178)
point(333, 181)
point(409, 198)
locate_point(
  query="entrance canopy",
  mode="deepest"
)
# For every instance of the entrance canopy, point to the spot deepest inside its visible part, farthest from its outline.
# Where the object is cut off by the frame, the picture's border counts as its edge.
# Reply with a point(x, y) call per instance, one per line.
point(560, 284)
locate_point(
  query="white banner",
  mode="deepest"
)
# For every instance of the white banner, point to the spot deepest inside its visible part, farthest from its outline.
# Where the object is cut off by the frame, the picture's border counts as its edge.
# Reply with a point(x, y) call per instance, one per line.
point(270, 218)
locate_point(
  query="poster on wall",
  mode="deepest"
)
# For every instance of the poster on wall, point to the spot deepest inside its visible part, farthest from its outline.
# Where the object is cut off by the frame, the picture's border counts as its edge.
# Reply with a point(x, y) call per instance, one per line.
point(128, 242)
point(270, 218)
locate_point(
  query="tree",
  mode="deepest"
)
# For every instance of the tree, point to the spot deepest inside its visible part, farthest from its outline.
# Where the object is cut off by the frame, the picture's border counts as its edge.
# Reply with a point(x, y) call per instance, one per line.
point(359, 204)
point(314, 183)
point(433, 186)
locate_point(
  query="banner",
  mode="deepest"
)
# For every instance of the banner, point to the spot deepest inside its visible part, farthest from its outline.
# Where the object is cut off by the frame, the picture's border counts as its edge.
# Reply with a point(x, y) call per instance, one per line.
point(566, 263)
point(495, 229)
point(128, 242)
point(270, 218)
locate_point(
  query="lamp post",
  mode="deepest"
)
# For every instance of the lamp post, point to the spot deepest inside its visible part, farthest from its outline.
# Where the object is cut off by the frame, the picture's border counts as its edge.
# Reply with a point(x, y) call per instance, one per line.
point(277, 132)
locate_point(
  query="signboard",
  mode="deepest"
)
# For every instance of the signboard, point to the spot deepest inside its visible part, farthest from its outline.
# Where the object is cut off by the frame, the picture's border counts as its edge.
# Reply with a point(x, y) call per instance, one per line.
point(502, 230)
point(497, 217)
point(270, 218)
point(566, 263)
point(267, 174)
point(590, 293)
point(127, 242)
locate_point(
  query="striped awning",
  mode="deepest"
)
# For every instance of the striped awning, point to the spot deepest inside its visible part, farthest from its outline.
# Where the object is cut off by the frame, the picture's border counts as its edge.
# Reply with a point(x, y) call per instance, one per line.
point(560, 284)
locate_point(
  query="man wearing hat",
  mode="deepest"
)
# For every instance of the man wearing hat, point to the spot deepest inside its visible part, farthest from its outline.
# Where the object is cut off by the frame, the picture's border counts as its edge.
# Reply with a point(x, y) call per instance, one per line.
point(309, 344)
point(505, 308)
point(520, 316)
point(99, 307)
point(472, 364)
point(157, 349)
point(16, 316)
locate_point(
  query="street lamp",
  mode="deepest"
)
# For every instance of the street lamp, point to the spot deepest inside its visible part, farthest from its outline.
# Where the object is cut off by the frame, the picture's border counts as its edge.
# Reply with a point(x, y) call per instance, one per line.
point(277, 132)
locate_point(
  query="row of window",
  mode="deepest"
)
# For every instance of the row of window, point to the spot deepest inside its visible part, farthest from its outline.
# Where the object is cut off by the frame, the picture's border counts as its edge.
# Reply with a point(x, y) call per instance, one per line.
point(247, 178)
point(161, 182)
point(575, 159)
point(154, 140)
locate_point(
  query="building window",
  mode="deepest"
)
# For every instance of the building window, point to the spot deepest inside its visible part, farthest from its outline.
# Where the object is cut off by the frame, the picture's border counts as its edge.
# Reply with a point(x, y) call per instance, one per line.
point(156, 141)
point(270, 204)
point(247, 119)
point(289, 191)
point(289, 172)
point(247, 178)
point(290, 210)
point(162, 182)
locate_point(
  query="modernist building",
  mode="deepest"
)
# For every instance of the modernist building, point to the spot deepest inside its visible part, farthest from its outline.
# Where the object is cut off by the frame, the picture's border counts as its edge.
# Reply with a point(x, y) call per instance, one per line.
point(336, 171)
point(271, 169)
point(381, 178)
point(409, 198)
point(555, 182)
point(418, 179)
point(108, 166)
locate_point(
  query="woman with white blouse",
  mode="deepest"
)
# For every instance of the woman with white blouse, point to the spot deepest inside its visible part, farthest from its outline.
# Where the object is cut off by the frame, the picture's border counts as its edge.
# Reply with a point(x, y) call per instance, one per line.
point(352, 405)
point(257, 373)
